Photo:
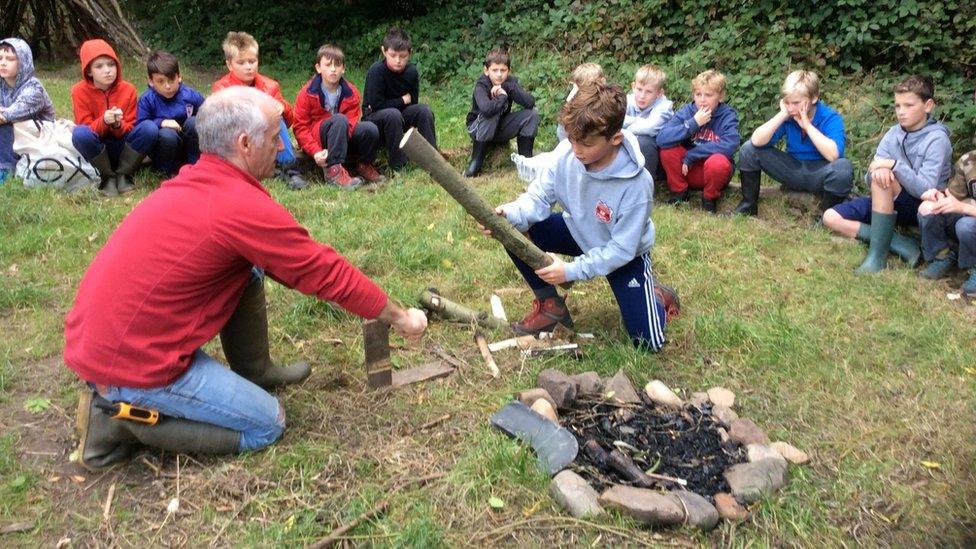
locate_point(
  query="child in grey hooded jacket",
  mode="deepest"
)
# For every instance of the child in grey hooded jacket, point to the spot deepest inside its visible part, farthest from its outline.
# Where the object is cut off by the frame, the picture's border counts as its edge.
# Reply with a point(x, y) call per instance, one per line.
point(22, 97)
point(915, 156)
point(599, 181)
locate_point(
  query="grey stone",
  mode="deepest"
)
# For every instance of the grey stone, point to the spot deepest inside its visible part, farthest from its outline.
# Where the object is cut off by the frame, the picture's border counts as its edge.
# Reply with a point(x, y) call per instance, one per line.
point(759, 452)
point(650, 507)
point(790, 452)
point(575, 495)
point(750, 481)
point(744, 431)
point(724, 415)
point(588, 383)
point(529, 396)
point(720, 396)
point(622, 389)
point(699, 512)
point(698, 399)
point(559, 385)
point(728, 508)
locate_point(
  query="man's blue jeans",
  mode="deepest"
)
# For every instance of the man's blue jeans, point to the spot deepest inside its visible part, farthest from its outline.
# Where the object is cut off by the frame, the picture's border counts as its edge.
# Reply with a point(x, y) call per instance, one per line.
point(209, 392)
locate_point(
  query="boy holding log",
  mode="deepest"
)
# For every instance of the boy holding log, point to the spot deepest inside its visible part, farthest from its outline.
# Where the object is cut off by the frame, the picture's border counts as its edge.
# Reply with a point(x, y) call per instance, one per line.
point(599, 181)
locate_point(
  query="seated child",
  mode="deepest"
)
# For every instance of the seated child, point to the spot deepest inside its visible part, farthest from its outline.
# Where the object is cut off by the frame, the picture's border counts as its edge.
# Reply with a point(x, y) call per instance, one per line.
point(647, 111)
point(698, 142)
point(105, 113)
point(605, 194)
point(22, 97)
point(951, 215)
point(241, 58)
point(814, 159)
point(529, 167)
point(491, 119)
point(172, 106)
point(915, 156)
point(390, 97)
point(328, 125)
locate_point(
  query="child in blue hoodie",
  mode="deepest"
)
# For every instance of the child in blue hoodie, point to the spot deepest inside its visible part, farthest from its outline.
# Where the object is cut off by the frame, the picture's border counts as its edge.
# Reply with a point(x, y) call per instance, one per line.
point(599, 181)
point(22, 97)
point(697, 144)
point(172, 106)
point(914, 157)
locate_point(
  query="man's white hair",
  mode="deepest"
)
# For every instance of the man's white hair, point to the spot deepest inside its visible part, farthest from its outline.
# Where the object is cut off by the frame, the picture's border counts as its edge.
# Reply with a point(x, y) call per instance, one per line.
point(230, 113)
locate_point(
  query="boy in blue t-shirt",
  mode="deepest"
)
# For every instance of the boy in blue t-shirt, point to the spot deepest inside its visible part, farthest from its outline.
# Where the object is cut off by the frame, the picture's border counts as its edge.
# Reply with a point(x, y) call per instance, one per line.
point(814, 159)
point(172, 106)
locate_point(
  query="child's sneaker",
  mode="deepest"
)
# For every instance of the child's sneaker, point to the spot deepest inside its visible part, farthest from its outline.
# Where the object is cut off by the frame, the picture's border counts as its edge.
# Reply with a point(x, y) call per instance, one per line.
point(968, 288)
point(669, 299)
point(545, 314)
point(369, 173)
point(939, 267)
point(337, 175)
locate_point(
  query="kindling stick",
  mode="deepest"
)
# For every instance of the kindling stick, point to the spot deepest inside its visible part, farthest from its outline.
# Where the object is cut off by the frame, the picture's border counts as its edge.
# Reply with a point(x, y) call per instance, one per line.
point(419, 151)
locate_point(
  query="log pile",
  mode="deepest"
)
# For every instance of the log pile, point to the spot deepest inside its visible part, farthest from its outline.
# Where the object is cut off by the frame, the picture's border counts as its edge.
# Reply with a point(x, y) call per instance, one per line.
point(56, 28)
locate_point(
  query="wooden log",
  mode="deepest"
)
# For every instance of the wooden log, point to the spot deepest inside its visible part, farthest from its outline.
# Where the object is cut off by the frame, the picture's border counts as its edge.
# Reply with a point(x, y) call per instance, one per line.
point(419, 151)
point(479, 339)
point(446, 308)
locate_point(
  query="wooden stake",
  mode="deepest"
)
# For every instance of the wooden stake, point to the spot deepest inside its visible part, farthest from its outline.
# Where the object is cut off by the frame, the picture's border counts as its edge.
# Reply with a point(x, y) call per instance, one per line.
point(479, 338)
point(419, 151)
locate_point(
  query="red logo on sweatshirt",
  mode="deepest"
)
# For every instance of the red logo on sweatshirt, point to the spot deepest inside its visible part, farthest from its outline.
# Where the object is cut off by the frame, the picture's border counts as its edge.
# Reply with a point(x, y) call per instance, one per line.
point(603, 212)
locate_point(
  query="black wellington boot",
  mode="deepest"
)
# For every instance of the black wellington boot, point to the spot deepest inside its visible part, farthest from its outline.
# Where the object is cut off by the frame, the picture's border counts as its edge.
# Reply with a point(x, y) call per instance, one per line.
point(750, 193)
point(129, 161)
point(245, 342)
point(184, 436)
point(103, 164)
point(525, 145)
point(478, 151)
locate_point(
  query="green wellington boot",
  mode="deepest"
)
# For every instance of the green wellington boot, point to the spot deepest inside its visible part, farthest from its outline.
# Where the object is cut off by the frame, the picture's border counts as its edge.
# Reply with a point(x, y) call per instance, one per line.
point(104, 442)
point(129, 161)
point(245, 342)
point(881, 230)
point(103, 164)
point(905, 247)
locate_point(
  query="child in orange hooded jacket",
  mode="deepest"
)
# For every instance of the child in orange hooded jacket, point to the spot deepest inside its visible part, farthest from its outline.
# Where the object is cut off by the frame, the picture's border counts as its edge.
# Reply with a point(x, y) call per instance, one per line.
point(105, 113)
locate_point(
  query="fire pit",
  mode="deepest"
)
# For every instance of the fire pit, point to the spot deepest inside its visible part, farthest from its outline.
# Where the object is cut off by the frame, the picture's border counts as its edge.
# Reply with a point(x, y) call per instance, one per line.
point(653, 456)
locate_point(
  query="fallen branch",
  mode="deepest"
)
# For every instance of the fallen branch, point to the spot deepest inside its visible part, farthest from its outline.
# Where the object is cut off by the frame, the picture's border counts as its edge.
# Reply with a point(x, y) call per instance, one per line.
point(107, 508)
point(17, 527)
point(333, 537)
point(479, 339)
point(436, 303)
point(433, 423)
point(424, 155)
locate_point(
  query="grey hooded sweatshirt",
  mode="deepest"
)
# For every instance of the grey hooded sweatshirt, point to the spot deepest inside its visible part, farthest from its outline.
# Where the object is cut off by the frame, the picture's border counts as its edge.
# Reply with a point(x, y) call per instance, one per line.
point(923, 158)
point(608, 212)
point(26, 99)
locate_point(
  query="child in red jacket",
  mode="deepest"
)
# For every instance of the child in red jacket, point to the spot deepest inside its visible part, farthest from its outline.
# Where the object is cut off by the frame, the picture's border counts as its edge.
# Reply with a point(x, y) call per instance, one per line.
point(241, 57)
point(328, 123)
point(105, 113)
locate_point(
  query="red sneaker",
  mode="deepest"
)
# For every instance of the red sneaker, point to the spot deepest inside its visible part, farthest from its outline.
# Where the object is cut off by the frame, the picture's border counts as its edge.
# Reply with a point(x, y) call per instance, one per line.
point(369, 173)
point(544, 316)
point(669, 298)
point(337, 175)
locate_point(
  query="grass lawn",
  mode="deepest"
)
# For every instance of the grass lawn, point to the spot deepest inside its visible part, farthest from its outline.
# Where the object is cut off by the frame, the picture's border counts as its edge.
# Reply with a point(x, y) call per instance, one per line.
point(871, 375)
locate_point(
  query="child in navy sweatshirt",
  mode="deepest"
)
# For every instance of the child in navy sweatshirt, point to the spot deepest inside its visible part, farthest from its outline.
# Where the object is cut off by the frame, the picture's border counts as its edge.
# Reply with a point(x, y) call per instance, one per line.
point(491, 119)
point(172, 107)
point(604, 193)
point(697, 144)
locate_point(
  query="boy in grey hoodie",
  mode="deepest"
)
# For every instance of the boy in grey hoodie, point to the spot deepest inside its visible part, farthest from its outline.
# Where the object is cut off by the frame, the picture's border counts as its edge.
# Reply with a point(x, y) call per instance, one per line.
point(599, 181)
point(915, 156)
point(647, 110)
point(22, 97)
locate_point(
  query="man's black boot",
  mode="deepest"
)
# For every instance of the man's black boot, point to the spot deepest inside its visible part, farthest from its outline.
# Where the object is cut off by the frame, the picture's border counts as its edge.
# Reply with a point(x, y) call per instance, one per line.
point(750, 193)
point(478, 151)
point(245, 342)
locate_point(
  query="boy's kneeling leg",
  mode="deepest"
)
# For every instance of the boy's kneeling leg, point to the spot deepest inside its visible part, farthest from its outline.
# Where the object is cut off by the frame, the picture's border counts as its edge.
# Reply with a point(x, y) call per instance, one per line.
point(644, 315)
